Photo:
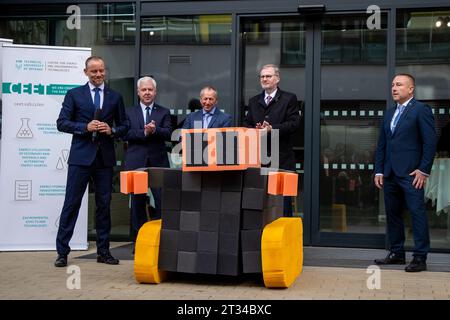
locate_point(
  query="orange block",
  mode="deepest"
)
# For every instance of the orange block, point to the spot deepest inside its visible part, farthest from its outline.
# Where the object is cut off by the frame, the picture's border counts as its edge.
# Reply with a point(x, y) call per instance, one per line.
point(275, 183)
point(126, 182)
point(282, 183)
point(223, 145)
point(133, 182)
point(290, 181)
point(140, 182)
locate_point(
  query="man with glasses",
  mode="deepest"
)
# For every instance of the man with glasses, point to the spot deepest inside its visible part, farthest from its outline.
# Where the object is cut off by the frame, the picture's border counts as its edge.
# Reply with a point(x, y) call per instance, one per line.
point(276, 109)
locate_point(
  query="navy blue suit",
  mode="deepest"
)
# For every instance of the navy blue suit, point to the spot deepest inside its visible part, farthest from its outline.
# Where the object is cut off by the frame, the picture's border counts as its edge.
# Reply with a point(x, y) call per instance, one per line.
point(146, 151)
point(218, 120)
point(89, 159)
point(411, 146)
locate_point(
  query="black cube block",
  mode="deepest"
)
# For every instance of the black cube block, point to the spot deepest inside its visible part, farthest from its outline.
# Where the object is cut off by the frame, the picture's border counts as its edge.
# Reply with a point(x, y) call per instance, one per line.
point(168, 260)
point(229, 223)
point(189, 220)
point(155, 177)
point(191, 201)
point(251, 262)
point(172, 178)
point(251, 240)
point(253, 198)
point(255, 178)
point(170, 219)
point(228, 264)
point(273, 213)
point(211, 181)
point(229, 243)
point(187, 241)
point(169, 240)
point(208, 241)
point(230, 203)
point(187, 262)
point(252, 219)
point(209, 221)
point(191, 181)
point(170, 199)
point(207, 262)
point(210, 200)
point(274, 201)
point(232, 181)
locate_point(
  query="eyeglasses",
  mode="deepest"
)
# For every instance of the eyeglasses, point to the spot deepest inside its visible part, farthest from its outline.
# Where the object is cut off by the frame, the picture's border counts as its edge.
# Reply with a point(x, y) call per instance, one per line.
point(267, 76)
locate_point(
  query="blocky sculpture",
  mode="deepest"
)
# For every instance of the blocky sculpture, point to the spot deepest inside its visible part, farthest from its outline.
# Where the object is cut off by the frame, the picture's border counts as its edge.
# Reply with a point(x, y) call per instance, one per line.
point(218, 217)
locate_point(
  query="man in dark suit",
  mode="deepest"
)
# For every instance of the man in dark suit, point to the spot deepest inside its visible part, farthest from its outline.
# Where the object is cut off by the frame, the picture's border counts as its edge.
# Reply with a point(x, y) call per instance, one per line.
point(150, 128)
point(94, 114)
point(276, 109)
point(209, 116)
point(404, 157)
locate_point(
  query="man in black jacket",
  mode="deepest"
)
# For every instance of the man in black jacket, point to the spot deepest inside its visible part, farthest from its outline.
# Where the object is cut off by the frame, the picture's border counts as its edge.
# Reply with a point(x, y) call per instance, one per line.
point(276, 109)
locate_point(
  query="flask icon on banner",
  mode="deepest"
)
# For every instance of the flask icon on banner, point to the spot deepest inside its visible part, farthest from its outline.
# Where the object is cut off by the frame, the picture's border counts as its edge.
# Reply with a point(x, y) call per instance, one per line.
point(25, 131)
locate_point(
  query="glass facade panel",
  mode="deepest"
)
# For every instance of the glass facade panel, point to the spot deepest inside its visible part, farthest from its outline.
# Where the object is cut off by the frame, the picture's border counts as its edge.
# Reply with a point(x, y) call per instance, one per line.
point(280, 42)
point(108, 29)
point(353, 99)
point(423, 50)
point(184, 54)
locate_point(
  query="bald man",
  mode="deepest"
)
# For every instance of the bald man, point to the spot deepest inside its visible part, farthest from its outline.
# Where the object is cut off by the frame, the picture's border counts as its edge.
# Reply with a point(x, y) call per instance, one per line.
point(404, 157)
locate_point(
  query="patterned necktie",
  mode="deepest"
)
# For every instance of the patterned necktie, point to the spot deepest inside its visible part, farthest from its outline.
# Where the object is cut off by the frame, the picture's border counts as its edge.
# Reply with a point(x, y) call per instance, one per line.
point(397, 117)
point(97, 98)
point(206, 118)
point(147, 115)
point(268, 99)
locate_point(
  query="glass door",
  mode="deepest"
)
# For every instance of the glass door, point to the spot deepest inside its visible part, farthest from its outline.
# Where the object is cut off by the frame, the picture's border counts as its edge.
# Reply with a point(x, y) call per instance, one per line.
point(353, 94)
point(280, 41)
point(337, 67)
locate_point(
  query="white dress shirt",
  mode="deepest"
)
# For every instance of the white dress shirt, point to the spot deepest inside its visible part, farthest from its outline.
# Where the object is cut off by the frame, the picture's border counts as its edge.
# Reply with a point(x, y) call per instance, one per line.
point(397, 110)
point(144, 112)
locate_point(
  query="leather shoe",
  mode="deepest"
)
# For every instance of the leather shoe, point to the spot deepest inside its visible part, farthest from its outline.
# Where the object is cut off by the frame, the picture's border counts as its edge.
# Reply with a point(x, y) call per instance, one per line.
point(107, 258)
point(392, 258)
point(417, 264)
point(61, 261)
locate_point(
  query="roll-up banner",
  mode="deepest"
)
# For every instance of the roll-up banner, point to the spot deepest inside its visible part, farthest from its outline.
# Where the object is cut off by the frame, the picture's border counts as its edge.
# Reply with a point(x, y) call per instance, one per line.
point(33, 167)
point(2, 41)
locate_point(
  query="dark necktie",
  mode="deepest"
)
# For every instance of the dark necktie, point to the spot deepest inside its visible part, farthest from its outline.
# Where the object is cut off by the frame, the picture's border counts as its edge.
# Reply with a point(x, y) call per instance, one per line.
point(268, 99)
point(147, 115)
point(97, 98)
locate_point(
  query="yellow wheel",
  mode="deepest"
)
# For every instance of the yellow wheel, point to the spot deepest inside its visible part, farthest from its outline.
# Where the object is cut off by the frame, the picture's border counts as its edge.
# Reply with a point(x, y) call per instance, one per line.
point(282, 252)
point(146, 253)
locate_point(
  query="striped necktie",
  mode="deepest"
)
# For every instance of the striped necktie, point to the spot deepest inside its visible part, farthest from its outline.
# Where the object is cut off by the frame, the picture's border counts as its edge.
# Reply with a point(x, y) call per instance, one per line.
point(397, 117)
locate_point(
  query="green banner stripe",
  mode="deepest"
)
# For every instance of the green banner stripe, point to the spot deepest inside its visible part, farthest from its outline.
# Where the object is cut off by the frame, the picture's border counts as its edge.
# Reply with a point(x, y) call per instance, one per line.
point(28, 88)
point(59, 89)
